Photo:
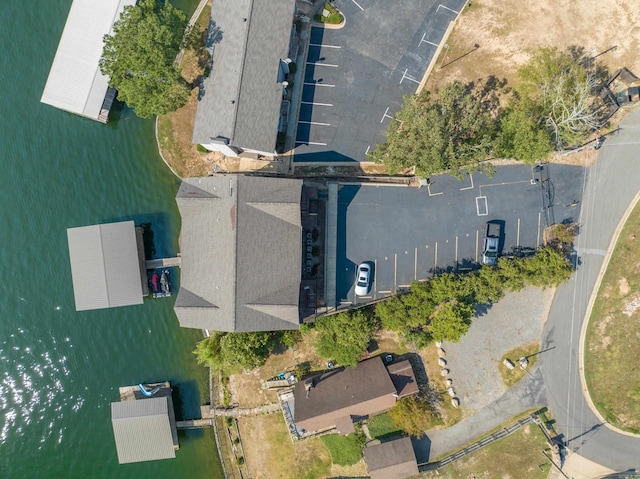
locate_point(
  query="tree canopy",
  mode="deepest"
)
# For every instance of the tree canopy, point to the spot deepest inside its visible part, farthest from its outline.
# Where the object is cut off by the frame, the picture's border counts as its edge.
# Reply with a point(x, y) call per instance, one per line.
point(414, 415)
point(139, 58)
point(444, 133)
point(343, 337)
point(247, 350)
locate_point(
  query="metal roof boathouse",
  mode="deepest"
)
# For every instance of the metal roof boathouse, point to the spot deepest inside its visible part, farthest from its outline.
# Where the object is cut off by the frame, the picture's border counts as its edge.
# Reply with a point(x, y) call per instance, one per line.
point(241, 263)
point(75, 83)
point(107, 265)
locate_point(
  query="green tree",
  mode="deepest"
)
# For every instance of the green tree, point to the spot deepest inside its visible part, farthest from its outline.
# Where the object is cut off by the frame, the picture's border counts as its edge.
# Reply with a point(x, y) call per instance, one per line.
point(451, 321)
point(414, 415)
point(453, 131)
point(139, 58)
point(345, 336)
point(209, 351)
point(247, 350)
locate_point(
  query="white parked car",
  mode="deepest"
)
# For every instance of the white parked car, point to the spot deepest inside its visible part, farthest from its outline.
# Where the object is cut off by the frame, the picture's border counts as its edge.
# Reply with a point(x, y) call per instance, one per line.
point(363, 279)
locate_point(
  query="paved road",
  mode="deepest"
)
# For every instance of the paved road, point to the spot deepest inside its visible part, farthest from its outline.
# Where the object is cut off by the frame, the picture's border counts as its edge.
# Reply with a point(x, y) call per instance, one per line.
point(611, 185)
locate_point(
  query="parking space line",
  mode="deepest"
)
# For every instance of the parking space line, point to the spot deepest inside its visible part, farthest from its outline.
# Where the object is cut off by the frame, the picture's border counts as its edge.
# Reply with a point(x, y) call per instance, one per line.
point(446, 8)
point(468, 187)
point(477, 238)
point(415, 265)
point(310, 143)
point(315, 104)
point(433, 194)
point(404, 286)
point(367, 151)
point(395, 271)
point(323, 45)
point(357, 5)
point(385, 115)
point(486, 207)
point(384, 292)
point(427, 41)
point(323, 64)
point(435, 262)
point(518, 235)
point(538, 236)
point(404, 75)
point(456, 251)
point(318, 84)
point(375, 276)
point(314, 123)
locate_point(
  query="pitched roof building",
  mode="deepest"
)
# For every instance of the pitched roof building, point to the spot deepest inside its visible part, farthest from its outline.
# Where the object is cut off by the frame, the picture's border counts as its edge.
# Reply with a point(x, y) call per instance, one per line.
point(241, 253)
point(240, 101)
point(75, 83)
point(391, 460)
point(145, 429)
point(105, 265)
point(337, 398)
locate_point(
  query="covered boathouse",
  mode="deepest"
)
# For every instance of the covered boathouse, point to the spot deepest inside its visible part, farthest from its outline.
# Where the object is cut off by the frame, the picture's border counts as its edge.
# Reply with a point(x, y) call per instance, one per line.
point(107, 265)
point(75, 83)
point(144, 423)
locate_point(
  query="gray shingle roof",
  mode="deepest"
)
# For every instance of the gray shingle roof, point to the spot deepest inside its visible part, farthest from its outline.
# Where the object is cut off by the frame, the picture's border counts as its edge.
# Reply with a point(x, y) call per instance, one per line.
point(391, 460)
point(104, 265)
point(241, 256)
point(75, 82)
point(242, 96)
point(142, 430)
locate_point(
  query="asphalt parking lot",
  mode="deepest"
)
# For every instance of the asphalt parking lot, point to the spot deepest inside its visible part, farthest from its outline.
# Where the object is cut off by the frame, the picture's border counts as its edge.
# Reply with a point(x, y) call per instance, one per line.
point(407, 234)
point(355, 77)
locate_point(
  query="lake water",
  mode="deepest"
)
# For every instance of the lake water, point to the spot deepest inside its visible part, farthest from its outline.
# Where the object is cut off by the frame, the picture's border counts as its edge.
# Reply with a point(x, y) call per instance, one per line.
point(59, 369)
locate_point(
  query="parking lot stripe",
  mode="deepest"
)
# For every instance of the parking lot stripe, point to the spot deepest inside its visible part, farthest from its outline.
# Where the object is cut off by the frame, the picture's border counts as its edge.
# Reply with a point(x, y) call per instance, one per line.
point(435, 262)
point(486, 207)
point(432, 194)
point(315, 104)
point(456, 251)
point(375, 275)
point(538, 237)
point(314, 123)
point(395, 269)
point(446, 8)
point(385, 115)
point(468, 187)
point(323, 45)
point(358, 5)
point(518, 235)
point(310, 143)
point(427, 41)
point(404, 75)
point(323, 64)
point(318, 84)
point(384, 292)
point(477, 237)
point(415, 265)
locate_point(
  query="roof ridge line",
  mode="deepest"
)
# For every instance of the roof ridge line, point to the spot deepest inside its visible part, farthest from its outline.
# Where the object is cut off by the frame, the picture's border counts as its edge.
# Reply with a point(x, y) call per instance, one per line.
point(244, 61)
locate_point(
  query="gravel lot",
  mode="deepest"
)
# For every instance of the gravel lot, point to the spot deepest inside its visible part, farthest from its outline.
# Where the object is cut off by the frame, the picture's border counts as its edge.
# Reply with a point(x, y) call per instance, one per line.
point(515, 320)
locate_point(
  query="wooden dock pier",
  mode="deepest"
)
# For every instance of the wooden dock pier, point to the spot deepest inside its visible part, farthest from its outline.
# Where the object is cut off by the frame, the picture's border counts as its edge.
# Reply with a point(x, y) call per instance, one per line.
point(163, 263)
point(195, 423)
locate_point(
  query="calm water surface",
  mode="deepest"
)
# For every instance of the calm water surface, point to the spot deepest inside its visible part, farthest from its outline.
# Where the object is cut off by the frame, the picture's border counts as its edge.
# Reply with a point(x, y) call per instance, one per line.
point(60, 370)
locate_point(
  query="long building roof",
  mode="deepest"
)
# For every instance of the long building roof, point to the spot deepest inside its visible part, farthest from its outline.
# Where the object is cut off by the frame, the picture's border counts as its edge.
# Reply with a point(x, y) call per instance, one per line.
point(75, 83)
point(241, 98)
point(391, 460)
point(241, 253)
point(105, 266)
point(142, 430)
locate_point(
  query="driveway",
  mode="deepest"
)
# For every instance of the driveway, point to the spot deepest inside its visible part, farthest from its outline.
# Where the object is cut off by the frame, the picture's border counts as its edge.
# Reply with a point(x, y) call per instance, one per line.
point(356, 77)
point(407, 234)
point(612, 185)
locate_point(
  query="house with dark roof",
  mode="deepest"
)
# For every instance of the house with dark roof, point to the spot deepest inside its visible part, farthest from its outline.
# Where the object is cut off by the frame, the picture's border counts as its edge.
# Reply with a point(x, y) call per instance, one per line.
point(240, 103)
point(391, 460)
point(241, 246)
point(337, 398)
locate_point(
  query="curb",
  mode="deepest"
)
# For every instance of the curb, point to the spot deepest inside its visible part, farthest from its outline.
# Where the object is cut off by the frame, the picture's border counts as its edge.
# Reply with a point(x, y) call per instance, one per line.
point(587, 317)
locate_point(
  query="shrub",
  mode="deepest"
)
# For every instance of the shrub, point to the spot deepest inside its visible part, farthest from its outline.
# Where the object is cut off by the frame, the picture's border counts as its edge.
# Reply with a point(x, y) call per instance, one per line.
point(414, 415)
point(201, 149)
point(345, 336)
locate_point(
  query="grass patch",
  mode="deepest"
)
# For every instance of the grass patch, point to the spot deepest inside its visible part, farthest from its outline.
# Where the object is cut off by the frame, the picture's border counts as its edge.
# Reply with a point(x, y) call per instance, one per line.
point(269, 452)
point(518, 455)
point(344, 450)
point(511, 377)
point(334, 17)
point(382, 427)
point(611, 352)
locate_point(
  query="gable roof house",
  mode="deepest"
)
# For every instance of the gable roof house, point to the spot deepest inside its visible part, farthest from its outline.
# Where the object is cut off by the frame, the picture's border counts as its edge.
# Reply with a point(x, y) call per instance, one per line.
point(239, 107)
point(391, 460)
point(75, 83)
point(241, 246)
point(338, 398)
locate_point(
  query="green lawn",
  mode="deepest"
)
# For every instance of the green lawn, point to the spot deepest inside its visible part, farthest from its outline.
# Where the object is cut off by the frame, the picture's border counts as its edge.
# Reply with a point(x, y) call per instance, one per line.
point(511, 377)
point(344, 450)
point(382, 427)
point(611, 350)
point(519, 455)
